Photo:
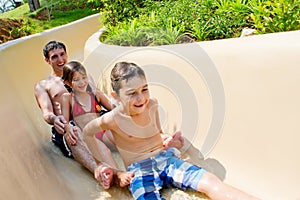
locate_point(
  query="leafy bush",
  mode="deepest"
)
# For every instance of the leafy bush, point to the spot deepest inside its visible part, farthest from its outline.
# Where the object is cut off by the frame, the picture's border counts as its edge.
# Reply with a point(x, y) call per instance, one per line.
point(277, 16)
point(152, 22)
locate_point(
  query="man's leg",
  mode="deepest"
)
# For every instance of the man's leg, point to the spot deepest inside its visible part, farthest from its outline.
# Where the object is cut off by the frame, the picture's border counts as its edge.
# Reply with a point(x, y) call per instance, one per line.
point(61, 143)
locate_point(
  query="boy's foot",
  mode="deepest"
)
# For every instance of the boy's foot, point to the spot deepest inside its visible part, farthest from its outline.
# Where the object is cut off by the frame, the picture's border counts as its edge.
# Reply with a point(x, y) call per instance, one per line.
point(176, 141)
point(104, 175)
point(124, 178)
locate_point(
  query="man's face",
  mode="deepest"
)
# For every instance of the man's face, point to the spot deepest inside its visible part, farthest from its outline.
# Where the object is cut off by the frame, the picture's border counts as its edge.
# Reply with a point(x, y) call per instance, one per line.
point(57, 59)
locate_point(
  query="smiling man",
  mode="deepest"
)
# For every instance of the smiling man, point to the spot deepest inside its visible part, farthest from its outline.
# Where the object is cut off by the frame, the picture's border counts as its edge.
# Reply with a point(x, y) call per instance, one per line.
point(48, 93)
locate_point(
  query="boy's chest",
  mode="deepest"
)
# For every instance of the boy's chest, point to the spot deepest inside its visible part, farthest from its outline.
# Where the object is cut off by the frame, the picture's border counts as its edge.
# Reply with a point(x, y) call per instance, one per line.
point(141, 127)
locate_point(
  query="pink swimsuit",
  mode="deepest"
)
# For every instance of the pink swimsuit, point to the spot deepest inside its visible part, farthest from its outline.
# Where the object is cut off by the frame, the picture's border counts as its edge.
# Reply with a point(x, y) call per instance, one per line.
point(95, 108)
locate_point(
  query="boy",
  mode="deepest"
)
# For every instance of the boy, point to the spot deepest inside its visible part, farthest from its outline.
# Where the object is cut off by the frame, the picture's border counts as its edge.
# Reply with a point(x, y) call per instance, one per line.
point(136, 128)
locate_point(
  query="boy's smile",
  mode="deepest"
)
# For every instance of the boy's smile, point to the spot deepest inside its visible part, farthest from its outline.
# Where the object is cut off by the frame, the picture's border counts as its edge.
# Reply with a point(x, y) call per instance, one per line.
point(134, 95)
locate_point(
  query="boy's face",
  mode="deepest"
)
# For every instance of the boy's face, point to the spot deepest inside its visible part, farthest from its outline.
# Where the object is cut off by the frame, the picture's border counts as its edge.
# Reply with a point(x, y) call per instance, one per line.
point(134, 95)
point(80, 82)
point(57, 59)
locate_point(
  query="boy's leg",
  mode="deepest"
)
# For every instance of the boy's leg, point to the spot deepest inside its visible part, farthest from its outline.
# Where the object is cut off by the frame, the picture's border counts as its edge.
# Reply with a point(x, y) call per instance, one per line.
point(146, 182)
point(213, 187)
point(144, 188)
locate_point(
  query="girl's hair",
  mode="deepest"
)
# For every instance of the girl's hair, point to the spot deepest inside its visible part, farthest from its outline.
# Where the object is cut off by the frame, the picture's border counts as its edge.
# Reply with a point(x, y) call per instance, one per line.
point(124, 71)
point(70, 68)
point(53, 45)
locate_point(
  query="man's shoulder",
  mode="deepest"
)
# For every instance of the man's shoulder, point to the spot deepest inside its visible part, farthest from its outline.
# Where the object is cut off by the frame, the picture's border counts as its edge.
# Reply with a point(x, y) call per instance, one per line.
point(40, 85)
point(49, 84)
point(45, 81)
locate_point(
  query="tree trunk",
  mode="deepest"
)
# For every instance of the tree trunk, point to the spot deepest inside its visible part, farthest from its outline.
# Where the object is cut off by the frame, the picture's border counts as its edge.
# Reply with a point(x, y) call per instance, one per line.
point(33, 5)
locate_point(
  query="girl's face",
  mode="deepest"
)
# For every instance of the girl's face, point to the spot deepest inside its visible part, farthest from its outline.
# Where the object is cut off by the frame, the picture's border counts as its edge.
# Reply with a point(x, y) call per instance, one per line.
point(80, 82)
point(134, 95)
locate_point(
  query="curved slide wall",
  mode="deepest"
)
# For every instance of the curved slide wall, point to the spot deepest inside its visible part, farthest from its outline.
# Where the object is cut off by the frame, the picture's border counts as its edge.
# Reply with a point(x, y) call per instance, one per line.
point(247, 120)
point(237, 100)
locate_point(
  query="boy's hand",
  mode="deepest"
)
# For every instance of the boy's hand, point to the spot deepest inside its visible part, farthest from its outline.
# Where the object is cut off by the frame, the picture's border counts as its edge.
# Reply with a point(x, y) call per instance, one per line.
point(177, 141)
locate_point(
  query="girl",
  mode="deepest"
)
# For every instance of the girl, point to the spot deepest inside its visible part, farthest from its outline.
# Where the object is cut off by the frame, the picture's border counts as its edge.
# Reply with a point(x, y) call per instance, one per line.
point(135, 126)
point(82, 105)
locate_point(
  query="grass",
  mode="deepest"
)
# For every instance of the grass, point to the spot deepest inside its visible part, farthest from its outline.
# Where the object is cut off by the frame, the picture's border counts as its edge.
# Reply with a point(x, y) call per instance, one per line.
point(17, 12)
point(49, 15)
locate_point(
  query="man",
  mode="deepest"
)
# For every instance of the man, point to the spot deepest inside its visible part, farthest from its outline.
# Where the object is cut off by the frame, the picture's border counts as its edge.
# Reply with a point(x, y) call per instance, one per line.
point(48, 93)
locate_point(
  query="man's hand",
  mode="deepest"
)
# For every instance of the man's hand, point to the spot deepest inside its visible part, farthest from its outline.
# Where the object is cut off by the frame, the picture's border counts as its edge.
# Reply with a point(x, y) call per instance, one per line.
point(59, 124)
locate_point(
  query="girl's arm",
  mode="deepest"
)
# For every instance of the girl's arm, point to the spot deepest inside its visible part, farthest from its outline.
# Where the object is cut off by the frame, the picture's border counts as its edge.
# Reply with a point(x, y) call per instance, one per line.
point(66, 107)
point(104, 100)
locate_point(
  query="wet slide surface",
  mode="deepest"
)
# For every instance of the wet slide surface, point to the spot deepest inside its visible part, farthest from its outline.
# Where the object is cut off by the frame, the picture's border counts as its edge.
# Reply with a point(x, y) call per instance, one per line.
point(257, 149)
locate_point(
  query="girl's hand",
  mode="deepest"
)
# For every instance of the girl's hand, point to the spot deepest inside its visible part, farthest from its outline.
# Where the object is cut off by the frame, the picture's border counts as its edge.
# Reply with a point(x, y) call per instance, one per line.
point(71, 134)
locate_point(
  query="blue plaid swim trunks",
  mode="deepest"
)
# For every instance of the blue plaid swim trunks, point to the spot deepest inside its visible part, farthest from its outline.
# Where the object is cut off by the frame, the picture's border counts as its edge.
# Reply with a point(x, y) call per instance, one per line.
point(163, 170)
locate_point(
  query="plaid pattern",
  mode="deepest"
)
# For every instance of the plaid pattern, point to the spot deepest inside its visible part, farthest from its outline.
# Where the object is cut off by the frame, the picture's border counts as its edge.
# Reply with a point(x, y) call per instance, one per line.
point(164, 169)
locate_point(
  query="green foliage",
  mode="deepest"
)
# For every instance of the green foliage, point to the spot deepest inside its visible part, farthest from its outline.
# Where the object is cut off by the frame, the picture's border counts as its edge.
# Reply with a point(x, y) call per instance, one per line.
point(14, 32)
point(160, 22)
point(120, 10)
point(143, 31)
point(277, 16)
point(51, 14)
point(168, 21)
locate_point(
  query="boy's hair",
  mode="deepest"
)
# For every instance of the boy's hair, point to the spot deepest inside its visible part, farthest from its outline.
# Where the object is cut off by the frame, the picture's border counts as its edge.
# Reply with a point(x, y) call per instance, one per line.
point(70, 68)
point(53, 45)
point(124, 71)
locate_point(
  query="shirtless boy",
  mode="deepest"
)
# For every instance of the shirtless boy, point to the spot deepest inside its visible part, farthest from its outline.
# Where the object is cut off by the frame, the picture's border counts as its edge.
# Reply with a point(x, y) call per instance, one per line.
point(136, 128)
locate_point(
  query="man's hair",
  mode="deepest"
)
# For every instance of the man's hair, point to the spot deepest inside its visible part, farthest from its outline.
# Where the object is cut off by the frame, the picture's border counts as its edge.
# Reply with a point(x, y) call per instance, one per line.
point(53, 45)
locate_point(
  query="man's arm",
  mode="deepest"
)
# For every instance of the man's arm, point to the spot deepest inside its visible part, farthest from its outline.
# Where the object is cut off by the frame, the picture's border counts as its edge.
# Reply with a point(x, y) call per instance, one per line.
point(46, 106)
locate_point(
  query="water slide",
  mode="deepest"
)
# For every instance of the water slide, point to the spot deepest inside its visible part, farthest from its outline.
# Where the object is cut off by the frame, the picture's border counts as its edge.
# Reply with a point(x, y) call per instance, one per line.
point(236, 101)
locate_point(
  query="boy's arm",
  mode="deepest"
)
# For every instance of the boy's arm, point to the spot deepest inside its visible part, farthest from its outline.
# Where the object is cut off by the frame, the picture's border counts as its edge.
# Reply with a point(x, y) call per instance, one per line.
point(168, 140)
point(89, 132)
point(45, 104)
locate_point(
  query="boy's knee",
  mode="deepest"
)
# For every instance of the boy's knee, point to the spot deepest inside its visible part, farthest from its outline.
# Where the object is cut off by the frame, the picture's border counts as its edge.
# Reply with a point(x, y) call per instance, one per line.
point(208, 183)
